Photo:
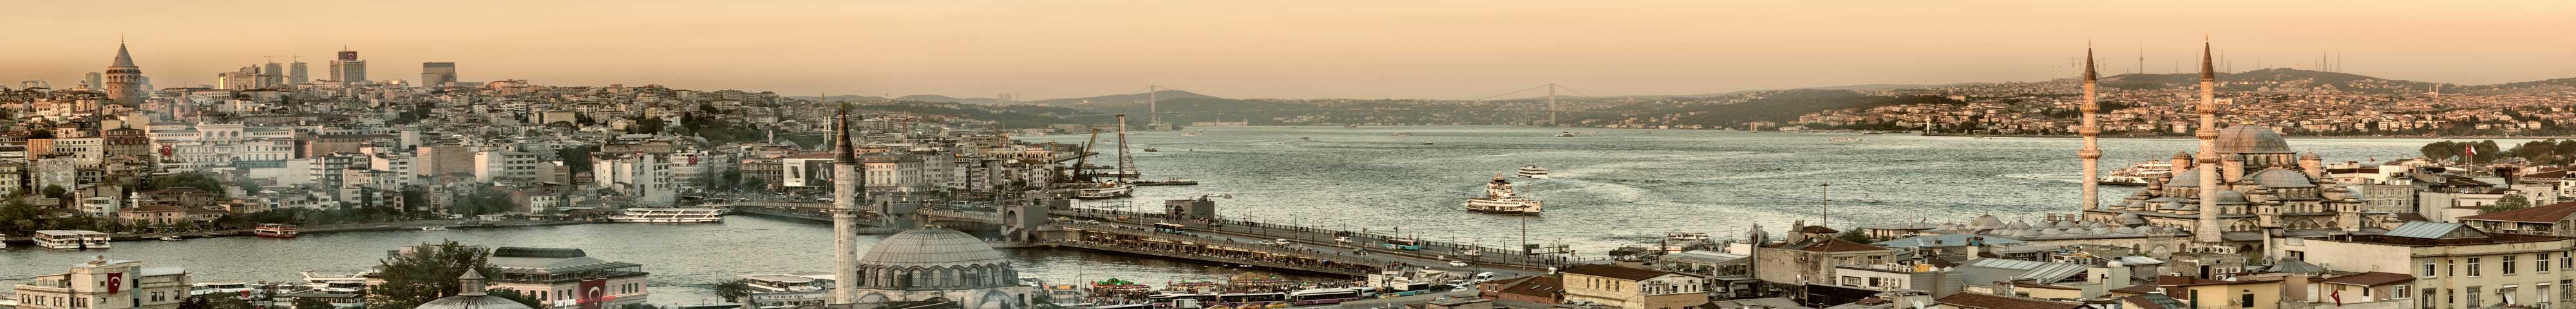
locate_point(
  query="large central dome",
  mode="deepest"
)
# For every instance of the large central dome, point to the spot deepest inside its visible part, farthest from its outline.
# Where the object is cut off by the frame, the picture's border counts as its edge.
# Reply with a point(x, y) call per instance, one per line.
point(2251, 139)
point(930, 248)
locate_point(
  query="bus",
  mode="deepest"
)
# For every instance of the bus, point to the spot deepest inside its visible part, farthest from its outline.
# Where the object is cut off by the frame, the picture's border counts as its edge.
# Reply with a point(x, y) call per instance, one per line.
point(1170, 228)
point(1249, 300)
point(1403, 244)
point(1416, 288)
point(1324, 296)
point(1173, 300)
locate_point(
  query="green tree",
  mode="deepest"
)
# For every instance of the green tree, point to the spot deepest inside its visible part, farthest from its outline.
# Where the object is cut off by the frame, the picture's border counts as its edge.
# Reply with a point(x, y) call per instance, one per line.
point(2487, 152)
point(57, 191)
point(2440, 150)
point(425, 274)
point(732, 291)
point(2509, 202)
point(201, 181)
point(314, 303)
point(1854, 235)
point(576, 158)
point(516, 296)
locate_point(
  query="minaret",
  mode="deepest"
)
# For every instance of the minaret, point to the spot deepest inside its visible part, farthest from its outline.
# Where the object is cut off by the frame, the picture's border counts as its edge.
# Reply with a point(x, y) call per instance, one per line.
point(845, 212)
point(2205, 232)
point(124, 80)
point(2092, 153)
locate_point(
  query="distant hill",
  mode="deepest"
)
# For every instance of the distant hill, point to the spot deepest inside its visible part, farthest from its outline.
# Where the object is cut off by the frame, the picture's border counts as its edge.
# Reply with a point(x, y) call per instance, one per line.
point(1119, 99)
point(2553, 84)
point(2275, 79)
point(844, 97)
point(1786, 106)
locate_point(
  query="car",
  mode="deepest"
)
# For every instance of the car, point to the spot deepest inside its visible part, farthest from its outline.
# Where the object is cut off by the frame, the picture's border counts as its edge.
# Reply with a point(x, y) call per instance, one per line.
point(1342, 239)
point(1457, 263)
point(1282, 242)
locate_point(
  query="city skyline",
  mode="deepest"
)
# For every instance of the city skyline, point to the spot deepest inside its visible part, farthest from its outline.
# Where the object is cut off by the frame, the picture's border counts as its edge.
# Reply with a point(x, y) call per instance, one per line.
point(1411, 50)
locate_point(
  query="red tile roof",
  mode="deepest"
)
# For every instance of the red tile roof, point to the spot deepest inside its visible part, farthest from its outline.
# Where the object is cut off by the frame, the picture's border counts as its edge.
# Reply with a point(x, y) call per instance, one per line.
point(2551, 213)
point(1983, 301)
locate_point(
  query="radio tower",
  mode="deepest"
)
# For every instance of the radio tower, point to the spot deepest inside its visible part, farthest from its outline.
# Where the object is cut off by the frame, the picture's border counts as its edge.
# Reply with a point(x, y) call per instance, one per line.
point(1126, 165)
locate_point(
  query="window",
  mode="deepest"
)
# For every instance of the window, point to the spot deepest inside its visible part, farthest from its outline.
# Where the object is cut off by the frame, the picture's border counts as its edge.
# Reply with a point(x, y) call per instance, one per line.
point(2399, 292)
point(2473, 268)
point(2430, 270)
point(2245, 299)
point(2540, 262)
point(2508, 265)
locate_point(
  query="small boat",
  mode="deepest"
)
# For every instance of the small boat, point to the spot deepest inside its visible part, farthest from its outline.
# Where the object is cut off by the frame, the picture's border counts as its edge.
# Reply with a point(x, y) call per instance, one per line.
point(433, 228)
point(1426, 143)
point(1152, 149)
point(668, 215)
point(1104, 190)
point(169, 238)
point(1500, 199)
point(1564, 134)
point(1403, 133)
point(1844, 139)
point(1167, 182)
point(1305, 139)
point(2139, 174)
point(1192, 134)
point(1531, 172)
point(273, 230)
point(1871, 133)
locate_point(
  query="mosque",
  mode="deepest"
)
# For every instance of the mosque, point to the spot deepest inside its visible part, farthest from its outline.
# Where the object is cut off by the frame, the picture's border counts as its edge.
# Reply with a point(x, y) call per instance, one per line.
point(919, 267)
point(2244, 186)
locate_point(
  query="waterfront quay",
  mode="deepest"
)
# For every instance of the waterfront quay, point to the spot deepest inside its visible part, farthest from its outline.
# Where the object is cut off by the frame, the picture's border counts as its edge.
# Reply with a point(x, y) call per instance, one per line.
point(1182, 235)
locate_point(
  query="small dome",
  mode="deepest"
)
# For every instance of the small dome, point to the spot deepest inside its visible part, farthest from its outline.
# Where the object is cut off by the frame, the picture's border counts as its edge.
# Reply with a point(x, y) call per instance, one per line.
point(2231, 197)
point(2251, 139)
point(469, 295)
point(2186, 178)
point(2171, 206)
point(2064, 225)
point(2099, 231)
point(931, 247)
point(2132, 219)
point(1985, 222)
point(2018, 225)
point(2182, 155)
point(2124, 230)
point(2283, 178)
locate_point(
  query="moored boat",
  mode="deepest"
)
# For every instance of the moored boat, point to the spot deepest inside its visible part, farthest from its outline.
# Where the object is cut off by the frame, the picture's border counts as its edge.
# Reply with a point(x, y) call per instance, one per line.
point(1564, 134)
point(273, 230)
point(668, 215)
point(1104, 190)
point(71, 239)
point(1531, 172)
point(1499, 198)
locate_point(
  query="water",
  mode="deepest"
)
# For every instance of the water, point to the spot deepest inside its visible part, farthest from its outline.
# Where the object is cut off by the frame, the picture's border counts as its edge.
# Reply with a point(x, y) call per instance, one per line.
point(1612, 188)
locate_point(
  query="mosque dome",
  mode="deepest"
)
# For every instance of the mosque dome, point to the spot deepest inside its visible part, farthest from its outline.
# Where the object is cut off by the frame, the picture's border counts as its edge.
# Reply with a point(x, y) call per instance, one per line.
point(1985, 222)
point(2064, 225)
point(2018, 225)
point(931, 248)
point(2132, 219)
point(2124, 230)
point(2186, 178)
point(2251, 139)
point(2283, 178)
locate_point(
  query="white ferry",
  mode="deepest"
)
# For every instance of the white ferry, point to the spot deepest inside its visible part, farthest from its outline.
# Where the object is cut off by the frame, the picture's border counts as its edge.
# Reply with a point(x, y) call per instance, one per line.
point(337, 282)
point(71, 239)
point(1531, 172)
point(1193, 134)
point(1500, 199)
point(1844, 139)
point(1111, 189)
point(227, 288)
point(783, 283)
point(1564, 134)
point(273, 230)
point(2138, 174)
point(668, 215)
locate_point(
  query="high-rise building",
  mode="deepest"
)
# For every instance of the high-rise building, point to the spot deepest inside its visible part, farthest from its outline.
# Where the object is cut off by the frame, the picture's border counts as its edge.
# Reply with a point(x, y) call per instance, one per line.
point(435, 74)
point(348, 70)
point(272, 75)
point(124, 80)
point(93, 80)
point(295, 74)
point(245, 78)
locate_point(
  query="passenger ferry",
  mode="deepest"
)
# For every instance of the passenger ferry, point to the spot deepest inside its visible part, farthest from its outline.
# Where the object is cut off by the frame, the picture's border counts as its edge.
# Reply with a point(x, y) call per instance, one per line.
point(71, 239)
point(1564, 134)
point(1500, 199)
point(338, 282)
point(228, 288)
point(668, 215)
point(2138, 174)
point(1531, 172)
point(1192, 134)
point(273, 230)
point(1104, 190)
point(783, 283)
point(1844, 139)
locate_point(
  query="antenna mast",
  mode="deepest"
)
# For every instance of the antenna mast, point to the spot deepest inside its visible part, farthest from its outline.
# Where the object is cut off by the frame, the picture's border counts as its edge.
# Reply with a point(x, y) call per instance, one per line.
point(1126, 166)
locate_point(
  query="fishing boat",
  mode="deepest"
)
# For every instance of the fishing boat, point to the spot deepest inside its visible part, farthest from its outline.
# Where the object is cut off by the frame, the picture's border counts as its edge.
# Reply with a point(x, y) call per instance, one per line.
point(1305, 138)
point(1564, 134)
point(273, 230)
point(1426, 143)
point(169, 238)
point(1844, 139)
point(1531, 172)
point(1499, 198)
point(668, 215)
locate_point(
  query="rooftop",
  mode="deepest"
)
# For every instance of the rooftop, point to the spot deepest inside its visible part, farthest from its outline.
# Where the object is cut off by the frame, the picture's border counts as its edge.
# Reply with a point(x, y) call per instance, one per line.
point(2551, 213)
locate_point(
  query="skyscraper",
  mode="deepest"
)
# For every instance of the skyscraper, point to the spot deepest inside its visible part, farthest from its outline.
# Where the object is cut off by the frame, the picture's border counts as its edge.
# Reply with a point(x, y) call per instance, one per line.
point(124, 80)
point(93, 80)
point(271, 75)
point(435, 74)
point(295, 74)
point(348, 70)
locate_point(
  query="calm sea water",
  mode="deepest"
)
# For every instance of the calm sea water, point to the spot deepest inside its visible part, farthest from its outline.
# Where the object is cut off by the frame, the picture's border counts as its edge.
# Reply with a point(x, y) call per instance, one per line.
point(1612, 188)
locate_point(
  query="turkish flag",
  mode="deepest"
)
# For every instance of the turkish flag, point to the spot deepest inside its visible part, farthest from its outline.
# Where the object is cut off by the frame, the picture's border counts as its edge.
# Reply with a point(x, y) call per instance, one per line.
point(594, 293)
point(115, 281)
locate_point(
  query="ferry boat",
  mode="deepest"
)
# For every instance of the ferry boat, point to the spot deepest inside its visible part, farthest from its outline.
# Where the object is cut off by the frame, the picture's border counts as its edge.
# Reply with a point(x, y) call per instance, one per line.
point(71, 239)
point(2138, 174)
point(668, 215)
point(273, 230)
point(1152, 149)
point(1531, 172)
point(1103, 190)
point(1192, 134)
point(1500, 199)
point(432, 228)
point(232, 288)
point(337, 282)
point(783, 283)
point(1676, 242)
point(1564, 134)
point(1844, 139)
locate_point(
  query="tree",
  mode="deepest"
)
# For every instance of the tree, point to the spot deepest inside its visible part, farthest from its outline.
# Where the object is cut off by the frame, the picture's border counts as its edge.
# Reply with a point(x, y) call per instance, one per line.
point(427, 273)
point(732, 291)
point(201, 181)
point(516, 296)
point(1854, 235)
point(57, 191)
point(2440, 150)
point(313, 303)
point(576, 158)
point(2509, 202)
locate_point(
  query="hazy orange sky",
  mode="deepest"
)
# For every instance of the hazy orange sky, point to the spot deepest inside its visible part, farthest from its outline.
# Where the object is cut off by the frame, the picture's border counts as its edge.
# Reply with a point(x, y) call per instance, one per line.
point(1283, 49)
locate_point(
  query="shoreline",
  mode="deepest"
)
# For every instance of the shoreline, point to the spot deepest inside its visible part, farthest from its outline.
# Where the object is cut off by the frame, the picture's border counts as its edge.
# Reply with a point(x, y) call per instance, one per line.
point(332, 229)
point(2469, 137)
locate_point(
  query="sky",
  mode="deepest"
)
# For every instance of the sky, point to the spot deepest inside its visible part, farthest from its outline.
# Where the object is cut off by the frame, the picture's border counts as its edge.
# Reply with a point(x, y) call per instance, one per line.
point(1426, 49)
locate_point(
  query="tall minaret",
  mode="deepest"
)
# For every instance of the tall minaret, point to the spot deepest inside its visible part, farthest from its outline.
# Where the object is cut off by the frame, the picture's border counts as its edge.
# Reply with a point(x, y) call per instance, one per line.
point(124, 80)
point(845, 212)
point(2205, 232)
point(2092, 153)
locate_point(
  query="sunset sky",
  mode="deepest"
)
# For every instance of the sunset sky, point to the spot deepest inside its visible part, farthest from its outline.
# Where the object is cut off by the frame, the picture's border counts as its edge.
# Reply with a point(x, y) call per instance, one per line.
point(1283, 49)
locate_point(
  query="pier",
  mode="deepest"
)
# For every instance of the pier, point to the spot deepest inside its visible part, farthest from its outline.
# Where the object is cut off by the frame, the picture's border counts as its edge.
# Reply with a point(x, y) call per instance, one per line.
point(1189, 231)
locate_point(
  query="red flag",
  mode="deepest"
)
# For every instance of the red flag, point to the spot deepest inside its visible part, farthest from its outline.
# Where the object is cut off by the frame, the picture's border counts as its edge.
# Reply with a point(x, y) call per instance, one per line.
point(592, 294)
point(2338, 297)
point(114, 282)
